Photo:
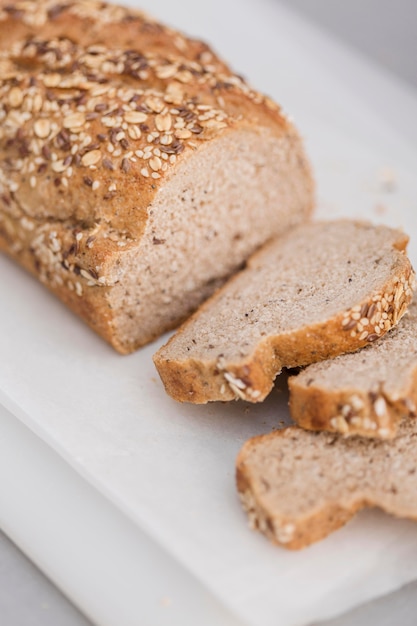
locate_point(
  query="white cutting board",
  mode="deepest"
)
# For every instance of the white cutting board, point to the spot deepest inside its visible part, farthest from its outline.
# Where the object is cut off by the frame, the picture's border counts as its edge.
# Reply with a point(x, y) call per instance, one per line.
point(170, 467)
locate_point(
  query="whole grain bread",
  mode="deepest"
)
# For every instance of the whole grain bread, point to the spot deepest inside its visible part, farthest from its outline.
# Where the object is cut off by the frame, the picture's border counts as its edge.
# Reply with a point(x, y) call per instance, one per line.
point(88, 22)
point(298, 486)
point(366, 393)
point(137, 172)
point(307, 296)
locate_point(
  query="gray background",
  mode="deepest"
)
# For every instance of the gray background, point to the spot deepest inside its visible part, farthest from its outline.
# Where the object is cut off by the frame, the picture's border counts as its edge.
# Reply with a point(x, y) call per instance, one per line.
point(386, 31)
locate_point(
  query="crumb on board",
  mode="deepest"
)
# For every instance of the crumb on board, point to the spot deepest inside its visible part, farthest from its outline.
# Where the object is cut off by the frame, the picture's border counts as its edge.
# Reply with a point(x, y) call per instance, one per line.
point(388, 180)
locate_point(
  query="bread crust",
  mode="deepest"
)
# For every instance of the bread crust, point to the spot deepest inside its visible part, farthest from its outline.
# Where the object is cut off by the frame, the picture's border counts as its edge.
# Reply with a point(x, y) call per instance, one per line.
point(200, 381)
point(323, 409)
point(88, 139)
point(87, 22)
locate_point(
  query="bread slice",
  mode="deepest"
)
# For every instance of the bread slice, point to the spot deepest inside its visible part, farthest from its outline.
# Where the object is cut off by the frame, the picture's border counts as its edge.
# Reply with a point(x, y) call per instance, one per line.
point(366, 393)
point(137, 172)
point(305, 297)
point(297, 486)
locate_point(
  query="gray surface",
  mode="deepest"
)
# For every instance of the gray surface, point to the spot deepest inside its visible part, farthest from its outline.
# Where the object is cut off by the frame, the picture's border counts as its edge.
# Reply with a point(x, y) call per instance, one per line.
point(27, 598)
point(387, 31)
point(394, 608)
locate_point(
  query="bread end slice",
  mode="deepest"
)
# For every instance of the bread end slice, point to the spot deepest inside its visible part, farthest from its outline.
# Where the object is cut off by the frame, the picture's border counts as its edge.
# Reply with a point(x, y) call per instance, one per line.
point(366, 393)
point(283, 530)
point(298, 486)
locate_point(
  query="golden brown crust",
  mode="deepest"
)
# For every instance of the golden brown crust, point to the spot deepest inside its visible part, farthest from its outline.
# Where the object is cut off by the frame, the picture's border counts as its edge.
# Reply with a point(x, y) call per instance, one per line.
point(90, 133)
point(88, 22)
point(201, 381)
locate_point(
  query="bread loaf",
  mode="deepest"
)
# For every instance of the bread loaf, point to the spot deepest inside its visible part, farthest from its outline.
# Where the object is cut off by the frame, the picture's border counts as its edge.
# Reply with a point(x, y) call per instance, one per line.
point(366, 393)
point(137, 171)
point(307, 296)
point(299, 486)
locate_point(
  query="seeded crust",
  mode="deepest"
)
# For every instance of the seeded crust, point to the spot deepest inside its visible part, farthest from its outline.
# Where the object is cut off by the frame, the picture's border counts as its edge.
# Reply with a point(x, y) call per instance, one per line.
point(137, 171)
point(305, 297)
point(88, 22)
point(298, 486)
point(366, 393)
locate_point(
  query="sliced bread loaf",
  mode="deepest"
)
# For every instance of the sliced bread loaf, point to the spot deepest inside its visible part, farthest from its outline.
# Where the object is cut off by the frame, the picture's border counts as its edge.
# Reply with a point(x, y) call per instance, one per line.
point(365, 393)
point(307, 296)
point(298, 486)
point(137, 172)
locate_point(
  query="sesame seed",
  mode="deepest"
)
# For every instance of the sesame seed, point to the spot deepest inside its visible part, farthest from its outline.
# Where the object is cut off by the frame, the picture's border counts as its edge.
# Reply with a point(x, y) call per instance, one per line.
point(37, 103)
point(27, 224)
point(145, 172)
point(135, 117)
point(75, 120)
point(163, 122)
point(51, 80)
point(380, 407)
point(15, 97)
point(91, 158)
point(166, 71)
point(58, 166)
point(154, 104)
point(184, 76)
point(340, 424)
point(85, 274)
point(42, 128)
point(356, 403)
point(96, 185)
point(155, 163)
point(183, 133)
point(346, 410)
point(134, 132)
